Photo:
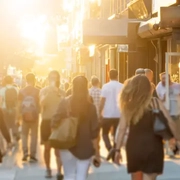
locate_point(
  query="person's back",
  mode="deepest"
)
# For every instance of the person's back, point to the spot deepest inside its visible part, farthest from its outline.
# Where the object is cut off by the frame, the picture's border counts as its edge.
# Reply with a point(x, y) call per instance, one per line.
point(79, 155)
point(30, 90)
point(9, 104)
point(111, 92)
point(88, 123)
point(30, 95)
point(140, 134)
point(109, 110)
point(50, 98)
point(51, 103)
point(29, 106)
point(142, 131)
point(144, 148)
point(9, 94)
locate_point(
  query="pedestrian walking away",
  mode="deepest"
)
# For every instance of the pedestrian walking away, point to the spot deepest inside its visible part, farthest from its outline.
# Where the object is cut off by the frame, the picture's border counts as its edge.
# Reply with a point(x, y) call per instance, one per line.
point(9, 105)
point(50, 97)
point(109, 110)
point(144, 148)
point(29, 110)
point(76, 160)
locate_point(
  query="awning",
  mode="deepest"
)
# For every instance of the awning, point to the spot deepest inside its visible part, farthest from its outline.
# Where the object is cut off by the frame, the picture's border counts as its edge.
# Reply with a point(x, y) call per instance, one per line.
point(148, 29)
point(104, 31)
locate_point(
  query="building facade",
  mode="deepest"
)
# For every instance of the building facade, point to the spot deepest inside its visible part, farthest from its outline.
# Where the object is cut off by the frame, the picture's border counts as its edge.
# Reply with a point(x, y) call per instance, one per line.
point(131, 34)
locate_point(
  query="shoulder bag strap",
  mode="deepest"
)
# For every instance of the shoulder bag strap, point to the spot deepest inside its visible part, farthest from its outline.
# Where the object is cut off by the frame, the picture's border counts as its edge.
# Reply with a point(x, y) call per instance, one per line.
point(153, 105)
point(157, 104)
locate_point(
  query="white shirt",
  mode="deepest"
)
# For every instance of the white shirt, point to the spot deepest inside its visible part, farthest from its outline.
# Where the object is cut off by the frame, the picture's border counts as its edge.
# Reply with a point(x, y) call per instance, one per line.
point(174, 97)
point(2, 95)
point(110, 92)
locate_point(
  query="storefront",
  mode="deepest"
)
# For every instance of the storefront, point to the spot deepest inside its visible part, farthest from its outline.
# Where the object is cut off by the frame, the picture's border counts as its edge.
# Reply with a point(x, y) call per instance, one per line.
point(163, 35)
point(105, 35)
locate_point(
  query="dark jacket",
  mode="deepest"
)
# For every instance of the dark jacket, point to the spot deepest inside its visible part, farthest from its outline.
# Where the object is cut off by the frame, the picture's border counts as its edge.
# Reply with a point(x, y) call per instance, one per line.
point(88, 129)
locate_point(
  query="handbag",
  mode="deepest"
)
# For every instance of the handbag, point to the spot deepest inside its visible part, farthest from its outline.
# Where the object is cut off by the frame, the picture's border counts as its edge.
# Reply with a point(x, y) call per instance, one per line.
point(64, 136)
point(160, 124)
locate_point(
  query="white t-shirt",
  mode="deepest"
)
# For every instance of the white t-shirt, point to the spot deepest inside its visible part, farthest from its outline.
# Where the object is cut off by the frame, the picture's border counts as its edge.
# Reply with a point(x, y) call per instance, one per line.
point(174, 97)
point(110, 92)
point(2, 95)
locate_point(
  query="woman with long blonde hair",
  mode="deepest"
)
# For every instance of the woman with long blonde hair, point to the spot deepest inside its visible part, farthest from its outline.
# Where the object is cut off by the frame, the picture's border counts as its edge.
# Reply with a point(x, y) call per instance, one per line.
point(144, 149)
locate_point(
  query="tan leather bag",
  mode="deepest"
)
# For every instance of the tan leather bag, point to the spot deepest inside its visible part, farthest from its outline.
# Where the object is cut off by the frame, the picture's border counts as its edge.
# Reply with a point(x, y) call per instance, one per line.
point(64, 136)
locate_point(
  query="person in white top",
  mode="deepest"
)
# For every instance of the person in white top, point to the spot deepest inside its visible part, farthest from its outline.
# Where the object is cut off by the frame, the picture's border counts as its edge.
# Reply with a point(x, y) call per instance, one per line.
point(9, 105)
point(174, 94)
point(174, 102)
point(109, 110)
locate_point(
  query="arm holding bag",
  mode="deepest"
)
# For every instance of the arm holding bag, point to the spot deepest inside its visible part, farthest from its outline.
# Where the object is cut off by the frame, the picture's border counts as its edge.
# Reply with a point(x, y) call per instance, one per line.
point(65, 126)
point(160, 125)
point(170, 121)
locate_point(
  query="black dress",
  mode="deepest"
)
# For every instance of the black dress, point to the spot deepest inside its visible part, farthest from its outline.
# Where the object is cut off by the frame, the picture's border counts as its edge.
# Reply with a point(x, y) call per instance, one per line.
point(144, 149)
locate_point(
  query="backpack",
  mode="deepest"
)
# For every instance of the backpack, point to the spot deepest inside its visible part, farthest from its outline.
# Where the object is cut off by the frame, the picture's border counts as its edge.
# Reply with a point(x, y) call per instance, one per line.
point(11, 98)
point(29, 109)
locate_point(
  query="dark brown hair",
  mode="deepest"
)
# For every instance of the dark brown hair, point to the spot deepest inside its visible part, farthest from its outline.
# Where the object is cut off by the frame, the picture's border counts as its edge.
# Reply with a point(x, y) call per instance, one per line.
point(80, 95)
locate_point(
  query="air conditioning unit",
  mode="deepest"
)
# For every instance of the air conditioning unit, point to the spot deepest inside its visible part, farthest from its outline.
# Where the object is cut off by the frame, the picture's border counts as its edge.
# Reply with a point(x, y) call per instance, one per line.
point(170, 17)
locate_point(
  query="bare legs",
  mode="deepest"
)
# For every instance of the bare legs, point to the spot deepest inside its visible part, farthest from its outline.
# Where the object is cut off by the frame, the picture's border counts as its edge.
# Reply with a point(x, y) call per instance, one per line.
point(137, 176)
point(47, 157)
point(58, 160)
point(149, 176)
point(141, 176)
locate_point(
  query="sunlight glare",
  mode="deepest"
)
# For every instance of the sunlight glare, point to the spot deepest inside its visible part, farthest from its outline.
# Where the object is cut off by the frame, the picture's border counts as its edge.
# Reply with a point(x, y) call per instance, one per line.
point(34, 29)
point(68, 5)
point(91, 50)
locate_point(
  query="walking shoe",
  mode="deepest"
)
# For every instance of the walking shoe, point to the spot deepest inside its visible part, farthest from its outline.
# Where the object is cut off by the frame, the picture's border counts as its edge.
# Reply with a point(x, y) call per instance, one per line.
point(33, 160)
point(25, 158)
point(59, 176)
point(48, 173)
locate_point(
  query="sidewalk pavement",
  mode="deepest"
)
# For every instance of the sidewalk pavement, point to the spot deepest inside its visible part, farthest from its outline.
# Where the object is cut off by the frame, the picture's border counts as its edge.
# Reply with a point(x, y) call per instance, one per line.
point(107, 171)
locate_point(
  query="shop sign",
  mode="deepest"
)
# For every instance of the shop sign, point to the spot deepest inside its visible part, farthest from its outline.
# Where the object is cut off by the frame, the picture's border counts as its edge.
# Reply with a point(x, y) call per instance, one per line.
point(156, 4)
point(123, 48)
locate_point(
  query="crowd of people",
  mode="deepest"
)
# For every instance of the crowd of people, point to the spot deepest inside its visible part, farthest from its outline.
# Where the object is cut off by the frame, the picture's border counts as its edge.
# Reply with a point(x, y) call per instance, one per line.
point(120, 109)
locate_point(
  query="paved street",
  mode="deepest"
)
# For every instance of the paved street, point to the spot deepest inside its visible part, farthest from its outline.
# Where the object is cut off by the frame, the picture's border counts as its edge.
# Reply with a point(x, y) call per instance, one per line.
point(107, 171)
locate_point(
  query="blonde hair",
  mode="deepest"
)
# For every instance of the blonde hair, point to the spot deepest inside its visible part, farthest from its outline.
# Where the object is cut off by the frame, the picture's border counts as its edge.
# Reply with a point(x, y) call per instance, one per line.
point(135, 98)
